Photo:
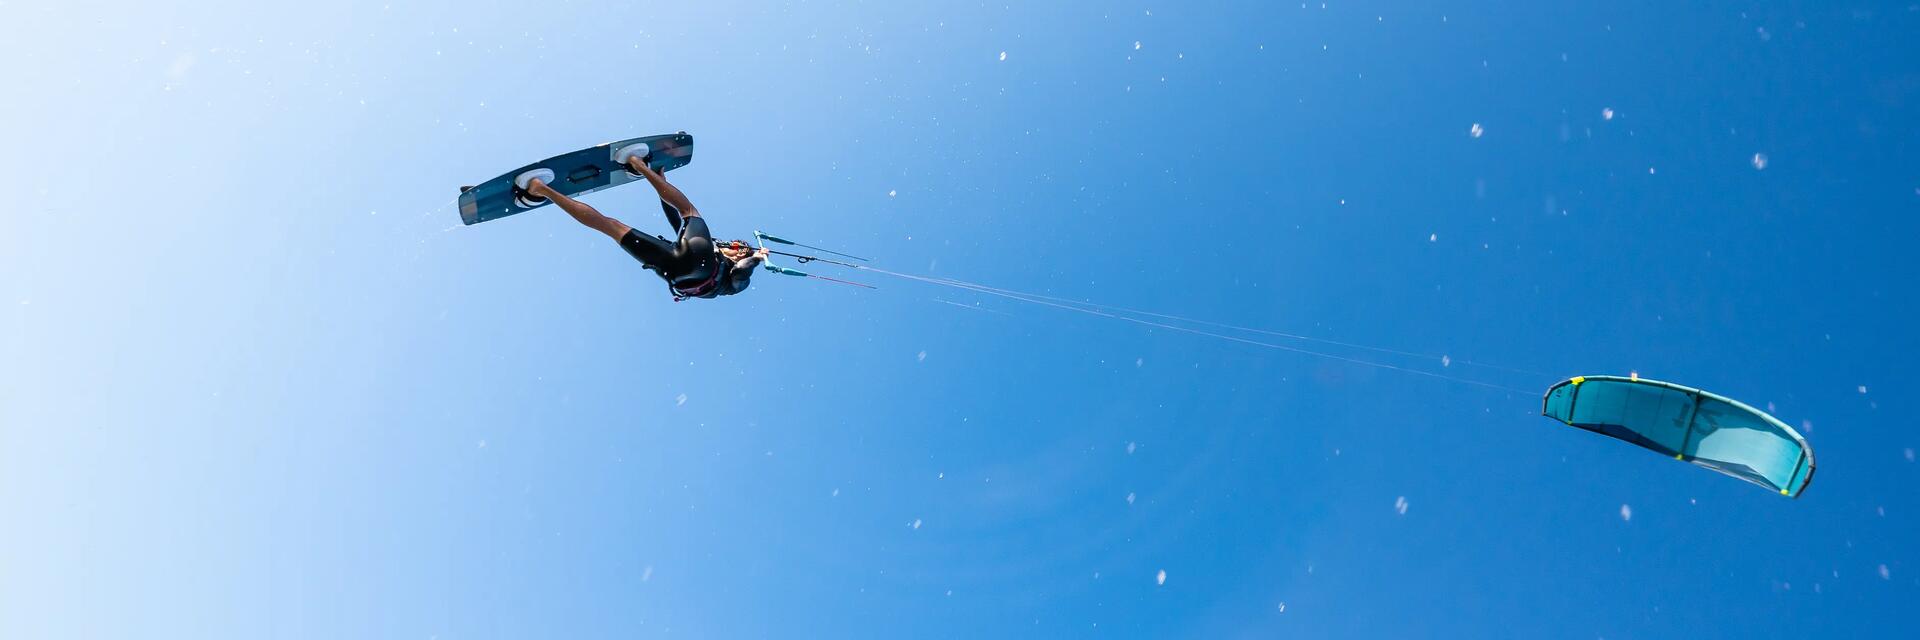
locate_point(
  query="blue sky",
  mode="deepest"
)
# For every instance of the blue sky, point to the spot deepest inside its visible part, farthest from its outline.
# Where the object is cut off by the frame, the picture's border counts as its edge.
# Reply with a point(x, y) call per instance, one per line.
point(258, 381)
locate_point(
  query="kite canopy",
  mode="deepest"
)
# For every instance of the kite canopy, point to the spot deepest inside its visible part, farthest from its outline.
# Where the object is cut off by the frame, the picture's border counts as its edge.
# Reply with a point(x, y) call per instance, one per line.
point(1695, 426)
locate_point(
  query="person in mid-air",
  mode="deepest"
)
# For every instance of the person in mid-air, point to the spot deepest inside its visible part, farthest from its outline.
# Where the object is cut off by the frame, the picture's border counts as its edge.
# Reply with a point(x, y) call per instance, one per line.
point(694, 267)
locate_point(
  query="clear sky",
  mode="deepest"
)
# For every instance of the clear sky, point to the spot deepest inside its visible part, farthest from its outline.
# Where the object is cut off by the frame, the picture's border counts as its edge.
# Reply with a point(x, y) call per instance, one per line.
point(257, 381)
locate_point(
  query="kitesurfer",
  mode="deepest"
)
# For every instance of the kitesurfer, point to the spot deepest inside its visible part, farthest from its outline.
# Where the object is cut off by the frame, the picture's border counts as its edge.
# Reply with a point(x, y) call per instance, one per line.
point(694, 266)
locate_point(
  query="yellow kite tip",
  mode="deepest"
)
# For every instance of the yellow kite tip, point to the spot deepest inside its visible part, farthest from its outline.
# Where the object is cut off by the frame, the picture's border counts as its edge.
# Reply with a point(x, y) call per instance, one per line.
point(1578, 379)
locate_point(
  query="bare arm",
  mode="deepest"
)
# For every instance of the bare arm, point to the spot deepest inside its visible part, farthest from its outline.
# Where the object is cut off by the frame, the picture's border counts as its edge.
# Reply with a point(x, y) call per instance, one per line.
point(668, 193)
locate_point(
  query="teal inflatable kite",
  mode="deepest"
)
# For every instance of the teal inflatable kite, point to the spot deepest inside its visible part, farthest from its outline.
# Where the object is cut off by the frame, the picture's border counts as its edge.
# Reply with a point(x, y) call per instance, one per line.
point(1688, 424)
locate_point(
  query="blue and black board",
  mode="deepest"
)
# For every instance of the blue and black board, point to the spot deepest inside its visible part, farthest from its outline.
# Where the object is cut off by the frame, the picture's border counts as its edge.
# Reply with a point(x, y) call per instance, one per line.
point(575, 174)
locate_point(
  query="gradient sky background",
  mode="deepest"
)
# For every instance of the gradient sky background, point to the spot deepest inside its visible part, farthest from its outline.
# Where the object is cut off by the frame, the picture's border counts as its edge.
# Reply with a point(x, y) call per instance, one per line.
point(256, 381)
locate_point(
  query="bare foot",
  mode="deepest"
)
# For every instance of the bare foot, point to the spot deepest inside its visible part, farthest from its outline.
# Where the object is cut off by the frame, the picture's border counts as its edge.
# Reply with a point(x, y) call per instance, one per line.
point(639, 164)
point(538, 188)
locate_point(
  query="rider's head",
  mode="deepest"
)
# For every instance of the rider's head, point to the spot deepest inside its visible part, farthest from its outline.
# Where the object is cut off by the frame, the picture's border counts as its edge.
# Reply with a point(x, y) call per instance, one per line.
point(735, 250)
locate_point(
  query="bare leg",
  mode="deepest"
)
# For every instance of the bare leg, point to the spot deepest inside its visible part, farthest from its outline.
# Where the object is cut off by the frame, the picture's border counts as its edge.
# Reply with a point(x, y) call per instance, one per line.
point(668, 193)
point(582, 213)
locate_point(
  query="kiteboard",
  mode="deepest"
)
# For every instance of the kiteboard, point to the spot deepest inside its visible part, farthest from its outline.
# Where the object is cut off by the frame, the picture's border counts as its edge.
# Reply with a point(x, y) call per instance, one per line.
point(574, 174)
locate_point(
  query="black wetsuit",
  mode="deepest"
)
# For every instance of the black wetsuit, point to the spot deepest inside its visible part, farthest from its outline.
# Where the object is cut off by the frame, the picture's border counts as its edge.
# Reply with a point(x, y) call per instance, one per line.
point(691, 267)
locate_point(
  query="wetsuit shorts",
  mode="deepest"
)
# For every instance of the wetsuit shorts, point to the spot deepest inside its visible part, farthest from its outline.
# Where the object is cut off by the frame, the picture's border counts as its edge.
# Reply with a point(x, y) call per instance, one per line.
point(689, 261)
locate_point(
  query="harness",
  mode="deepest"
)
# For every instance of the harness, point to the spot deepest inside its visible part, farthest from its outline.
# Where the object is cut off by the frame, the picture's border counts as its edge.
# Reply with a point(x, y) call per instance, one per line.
point(699, 290)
